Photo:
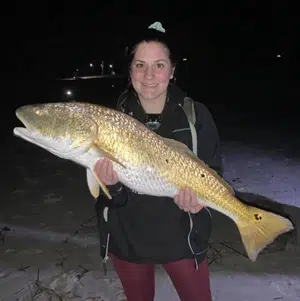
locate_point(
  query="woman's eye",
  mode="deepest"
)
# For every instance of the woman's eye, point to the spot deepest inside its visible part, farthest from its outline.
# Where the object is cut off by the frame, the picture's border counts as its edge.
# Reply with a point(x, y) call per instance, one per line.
point(160, 65)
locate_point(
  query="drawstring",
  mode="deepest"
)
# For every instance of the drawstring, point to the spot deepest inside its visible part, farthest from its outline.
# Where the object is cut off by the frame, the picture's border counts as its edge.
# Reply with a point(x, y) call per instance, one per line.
point(189, 239)
point(106, 255)
point(208, 212)
point(105, 215)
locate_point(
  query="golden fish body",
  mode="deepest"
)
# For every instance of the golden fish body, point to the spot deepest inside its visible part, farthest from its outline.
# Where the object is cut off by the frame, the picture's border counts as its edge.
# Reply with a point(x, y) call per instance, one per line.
point(144, 161)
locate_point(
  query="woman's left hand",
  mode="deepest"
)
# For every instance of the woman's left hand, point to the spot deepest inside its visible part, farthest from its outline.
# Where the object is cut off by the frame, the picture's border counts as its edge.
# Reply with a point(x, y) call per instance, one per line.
point(187, 201)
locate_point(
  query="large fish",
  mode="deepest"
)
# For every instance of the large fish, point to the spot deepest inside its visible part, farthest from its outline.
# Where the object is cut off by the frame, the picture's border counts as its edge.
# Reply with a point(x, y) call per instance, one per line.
point(144, 161)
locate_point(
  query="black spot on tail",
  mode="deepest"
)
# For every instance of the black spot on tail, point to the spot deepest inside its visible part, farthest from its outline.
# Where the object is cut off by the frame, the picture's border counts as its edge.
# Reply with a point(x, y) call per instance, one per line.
point(257, 216)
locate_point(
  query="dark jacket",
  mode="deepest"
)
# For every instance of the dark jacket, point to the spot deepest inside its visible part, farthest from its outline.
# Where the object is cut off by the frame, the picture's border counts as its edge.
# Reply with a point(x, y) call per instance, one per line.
point(147, 229)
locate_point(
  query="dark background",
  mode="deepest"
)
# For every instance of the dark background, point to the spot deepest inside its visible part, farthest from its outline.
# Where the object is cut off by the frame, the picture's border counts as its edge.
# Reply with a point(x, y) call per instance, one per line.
point(232, 56)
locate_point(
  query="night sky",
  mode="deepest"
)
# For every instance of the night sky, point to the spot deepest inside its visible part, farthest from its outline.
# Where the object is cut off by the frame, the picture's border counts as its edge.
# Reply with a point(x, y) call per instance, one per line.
point(232, 37)
point(245, 55)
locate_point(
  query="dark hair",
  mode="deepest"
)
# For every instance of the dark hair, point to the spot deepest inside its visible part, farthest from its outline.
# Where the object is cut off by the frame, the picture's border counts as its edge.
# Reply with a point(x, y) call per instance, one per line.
point(153, 35)
point(147, 35)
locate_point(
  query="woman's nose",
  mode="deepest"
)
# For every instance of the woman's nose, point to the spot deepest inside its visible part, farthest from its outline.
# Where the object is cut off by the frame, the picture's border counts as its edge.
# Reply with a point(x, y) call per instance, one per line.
point(149, 72)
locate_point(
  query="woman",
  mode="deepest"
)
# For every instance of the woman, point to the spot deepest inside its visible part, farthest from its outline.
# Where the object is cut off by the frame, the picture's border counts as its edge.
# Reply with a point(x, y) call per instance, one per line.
point(139, 231)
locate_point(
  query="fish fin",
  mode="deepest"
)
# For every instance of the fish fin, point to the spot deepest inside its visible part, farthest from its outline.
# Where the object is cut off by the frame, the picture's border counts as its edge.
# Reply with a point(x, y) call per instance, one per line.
point(262, 228)
point(92, 177)
point(92, 183)
point(109, 156)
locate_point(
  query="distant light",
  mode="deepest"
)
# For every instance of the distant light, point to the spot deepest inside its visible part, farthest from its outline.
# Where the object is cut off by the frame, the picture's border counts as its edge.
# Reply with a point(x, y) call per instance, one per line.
point(279, 55)
point(69, 92)
point(110, 65)
point(91, 65)
point(184, 59)
point(112, 85)
point(77, 70)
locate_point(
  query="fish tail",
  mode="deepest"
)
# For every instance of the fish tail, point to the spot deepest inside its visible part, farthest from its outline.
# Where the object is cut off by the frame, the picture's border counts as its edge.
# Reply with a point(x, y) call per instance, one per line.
point(261, 229)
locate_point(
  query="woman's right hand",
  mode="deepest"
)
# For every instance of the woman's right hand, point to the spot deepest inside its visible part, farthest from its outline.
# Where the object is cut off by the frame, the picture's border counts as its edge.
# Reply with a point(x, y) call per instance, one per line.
point(105, 173)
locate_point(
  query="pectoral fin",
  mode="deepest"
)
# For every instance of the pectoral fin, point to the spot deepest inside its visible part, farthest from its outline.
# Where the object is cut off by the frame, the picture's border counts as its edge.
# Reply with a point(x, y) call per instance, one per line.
point(93, 181)
point(94, 185)
point(107, 155)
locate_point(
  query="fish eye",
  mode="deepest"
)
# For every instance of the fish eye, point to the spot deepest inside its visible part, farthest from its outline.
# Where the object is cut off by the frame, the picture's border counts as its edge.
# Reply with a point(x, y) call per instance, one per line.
point(37, 112)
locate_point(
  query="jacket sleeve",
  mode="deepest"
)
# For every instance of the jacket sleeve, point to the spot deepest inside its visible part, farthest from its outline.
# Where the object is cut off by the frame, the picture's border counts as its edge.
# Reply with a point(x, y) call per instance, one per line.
point(118, 193)
point(208, 138)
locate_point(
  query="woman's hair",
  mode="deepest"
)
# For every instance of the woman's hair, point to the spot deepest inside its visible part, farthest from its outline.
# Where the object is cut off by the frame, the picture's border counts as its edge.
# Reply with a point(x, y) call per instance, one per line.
point(148, 35)
point(153, 35)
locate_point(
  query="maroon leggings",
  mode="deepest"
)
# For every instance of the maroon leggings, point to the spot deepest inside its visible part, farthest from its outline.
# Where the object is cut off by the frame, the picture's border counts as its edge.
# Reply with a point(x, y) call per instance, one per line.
point(139, 283)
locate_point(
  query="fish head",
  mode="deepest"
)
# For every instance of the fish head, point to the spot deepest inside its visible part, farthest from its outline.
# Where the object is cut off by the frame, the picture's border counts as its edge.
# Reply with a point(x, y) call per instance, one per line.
point(58, 127)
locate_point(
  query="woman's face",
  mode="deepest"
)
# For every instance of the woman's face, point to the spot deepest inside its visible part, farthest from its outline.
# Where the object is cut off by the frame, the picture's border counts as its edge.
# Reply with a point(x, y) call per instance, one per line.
point(151, 70)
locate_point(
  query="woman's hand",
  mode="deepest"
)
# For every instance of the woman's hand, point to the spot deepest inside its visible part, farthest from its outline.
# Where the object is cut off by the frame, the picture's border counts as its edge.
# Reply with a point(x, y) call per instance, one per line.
point(187, 201)
point(105, 173)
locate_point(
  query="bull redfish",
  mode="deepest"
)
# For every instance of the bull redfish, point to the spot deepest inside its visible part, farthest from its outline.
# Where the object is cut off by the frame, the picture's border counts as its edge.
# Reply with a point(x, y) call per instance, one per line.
point(144, 161)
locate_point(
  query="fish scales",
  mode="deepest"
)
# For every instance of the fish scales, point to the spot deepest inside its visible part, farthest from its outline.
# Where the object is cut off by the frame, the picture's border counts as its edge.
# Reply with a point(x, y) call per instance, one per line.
point(144, 161)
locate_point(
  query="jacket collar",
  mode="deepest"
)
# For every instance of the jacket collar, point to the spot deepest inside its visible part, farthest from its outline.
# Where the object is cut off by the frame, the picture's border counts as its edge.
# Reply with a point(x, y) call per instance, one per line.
point(175, 94)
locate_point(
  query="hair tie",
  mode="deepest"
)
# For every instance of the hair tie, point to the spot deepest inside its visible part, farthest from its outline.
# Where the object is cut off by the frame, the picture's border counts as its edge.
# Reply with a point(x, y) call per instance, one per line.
point(157, 26)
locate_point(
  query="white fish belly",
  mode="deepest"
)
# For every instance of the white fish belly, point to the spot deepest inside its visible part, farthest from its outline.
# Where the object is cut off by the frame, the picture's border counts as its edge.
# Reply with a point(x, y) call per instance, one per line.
point(145, 180)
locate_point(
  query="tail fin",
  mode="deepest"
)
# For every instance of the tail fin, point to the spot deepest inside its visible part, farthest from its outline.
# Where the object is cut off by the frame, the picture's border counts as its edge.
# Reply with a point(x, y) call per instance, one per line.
point(262, 228)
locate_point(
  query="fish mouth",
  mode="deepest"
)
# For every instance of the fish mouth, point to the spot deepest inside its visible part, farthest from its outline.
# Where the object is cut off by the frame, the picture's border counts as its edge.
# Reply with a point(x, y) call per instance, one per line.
point(26, 134)
point(21, 131)
point(36, 138)
point(26, 126)
point(55, 146)
point(24, 131)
